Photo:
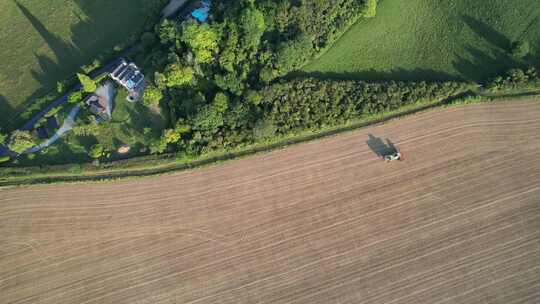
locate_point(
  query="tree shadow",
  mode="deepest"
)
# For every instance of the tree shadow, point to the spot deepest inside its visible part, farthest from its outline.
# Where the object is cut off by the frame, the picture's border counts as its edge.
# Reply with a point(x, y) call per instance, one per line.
point(91, 38)
point(481, 65)
point(58, 46)
point(141, 118)
point(488, 33)
point(398, 74)
point(474, 64)
point(478, 65)
point(535, 55)
point(379, 147)
point(6, 111)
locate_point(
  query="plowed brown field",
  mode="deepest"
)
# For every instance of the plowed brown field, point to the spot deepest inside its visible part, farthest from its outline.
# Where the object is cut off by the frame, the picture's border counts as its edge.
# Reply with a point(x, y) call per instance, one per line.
point(324, 222)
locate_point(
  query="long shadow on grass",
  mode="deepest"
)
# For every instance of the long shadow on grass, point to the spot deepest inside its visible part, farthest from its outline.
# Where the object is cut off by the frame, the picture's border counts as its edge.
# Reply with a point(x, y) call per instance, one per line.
point(374, 75)
point(50, 70)
point(142, 117)
point(535, 55)
point(5, 111)
point(480, 65)
point(95, 29)
point(488, 33)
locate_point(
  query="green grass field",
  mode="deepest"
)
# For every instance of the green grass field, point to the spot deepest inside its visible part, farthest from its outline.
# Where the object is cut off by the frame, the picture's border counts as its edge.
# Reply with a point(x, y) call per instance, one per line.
point(45, 41)
point(433, 39)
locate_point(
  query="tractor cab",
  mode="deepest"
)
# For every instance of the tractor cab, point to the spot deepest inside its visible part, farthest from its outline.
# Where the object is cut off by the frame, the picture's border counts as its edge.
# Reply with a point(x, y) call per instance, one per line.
point(392, 157)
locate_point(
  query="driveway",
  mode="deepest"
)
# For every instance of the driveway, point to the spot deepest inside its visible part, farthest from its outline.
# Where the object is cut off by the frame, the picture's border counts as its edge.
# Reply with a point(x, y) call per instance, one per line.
point(69, 123)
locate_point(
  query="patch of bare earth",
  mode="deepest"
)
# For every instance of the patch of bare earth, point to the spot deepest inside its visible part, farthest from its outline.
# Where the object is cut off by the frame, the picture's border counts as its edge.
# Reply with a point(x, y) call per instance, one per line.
point(324, 222)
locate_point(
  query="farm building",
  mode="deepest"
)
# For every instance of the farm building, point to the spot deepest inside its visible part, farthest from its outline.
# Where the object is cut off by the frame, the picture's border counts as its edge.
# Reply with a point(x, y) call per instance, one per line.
point(130, 77)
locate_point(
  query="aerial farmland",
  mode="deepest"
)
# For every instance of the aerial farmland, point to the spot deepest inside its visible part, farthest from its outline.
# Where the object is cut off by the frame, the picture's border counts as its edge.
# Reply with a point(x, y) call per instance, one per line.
point(263, 151)
point(322, 222)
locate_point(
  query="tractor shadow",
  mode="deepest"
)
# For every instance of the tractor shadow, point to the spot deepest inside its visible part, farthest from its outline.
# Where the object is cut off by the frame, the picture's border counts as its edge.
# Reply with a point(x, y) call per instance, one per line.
point(380, 147)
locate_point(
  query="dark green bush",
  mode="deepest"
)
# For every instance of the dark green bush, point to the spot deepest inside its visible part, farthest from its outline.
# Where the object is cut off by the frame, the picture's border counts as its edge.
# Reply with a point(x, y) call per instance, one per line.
point(520, 49)
point(516, 79)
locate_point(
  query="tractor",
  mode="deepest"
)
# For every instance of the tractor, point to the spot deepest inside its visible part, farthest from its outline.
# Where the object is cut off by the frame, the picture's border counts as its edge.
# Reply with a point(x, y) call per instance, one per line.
point(396, 155)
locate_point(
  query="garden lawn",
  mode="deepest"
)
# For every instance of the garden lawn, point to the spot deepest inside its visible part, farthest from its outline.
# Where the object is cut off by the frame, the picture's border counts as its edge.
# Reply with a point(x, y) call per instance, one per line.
point(47, 41)
point(132, 124)
point(433, 40)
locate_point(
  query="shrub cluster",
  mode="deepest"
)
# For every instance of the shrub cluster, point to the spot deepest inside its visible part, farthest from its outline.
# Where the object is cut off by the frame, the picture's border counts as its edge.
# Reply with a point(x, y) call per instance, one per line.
point(293, 106)
point(516, 79)
point(313, 103)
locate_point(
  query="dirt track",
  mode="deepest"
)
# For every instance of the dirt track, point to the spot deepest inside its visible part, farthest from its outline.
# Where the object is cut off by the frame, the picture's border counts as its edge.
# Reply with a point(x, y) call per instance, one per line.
point(323, 222)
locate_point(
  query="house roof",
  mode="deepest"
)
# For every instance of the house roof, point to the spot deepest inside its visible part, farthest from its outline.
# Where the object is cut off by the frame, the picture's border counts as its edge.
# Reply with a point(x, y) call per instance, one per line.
point(128, 75)
point(98, 105)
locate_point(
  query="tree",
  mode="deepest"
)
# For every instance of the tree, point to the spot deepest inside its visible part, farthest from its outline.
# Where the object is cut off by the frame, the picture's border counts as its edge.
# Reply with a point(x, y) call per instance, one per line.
point(3, 137)
point(75, 97)
point(253, 27)
point(168, 31)
point(160, 80)
point(88, 84)
point(170, 136)
point(21, 141)
point(370, 9)
point(293, 53)
point(264, 129)
point(221, 102)
point(202, 40)
point(253, 97)
point(177, 76)
point(208, 119)
point(60, 86)
point(228, 58)
point(230, 82)
point(182, 127)
point(158, 145)
point(97, 151)
point(520, 49)
point(152, 95)
point(148, 39)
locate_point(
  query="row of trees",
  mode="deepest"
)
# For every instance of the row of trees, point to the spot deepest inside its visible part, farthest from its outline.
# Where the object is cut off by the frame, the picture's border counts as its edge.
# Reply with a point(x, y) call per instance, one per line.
point(291, 106)
point(516, 79)
point(314, 103)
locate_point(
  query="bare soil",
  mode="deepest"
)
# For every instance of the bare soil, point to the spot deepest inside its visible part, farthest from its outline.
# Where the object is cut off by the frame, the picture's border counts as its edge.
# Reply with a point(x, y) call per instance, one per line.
point(322, 222)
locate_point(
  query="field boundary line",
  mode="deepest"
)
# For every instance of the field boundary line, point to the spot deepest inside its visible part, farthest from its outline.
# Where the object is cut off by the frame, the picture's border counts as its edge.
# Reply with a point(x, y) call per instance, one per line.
point(170, 164)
